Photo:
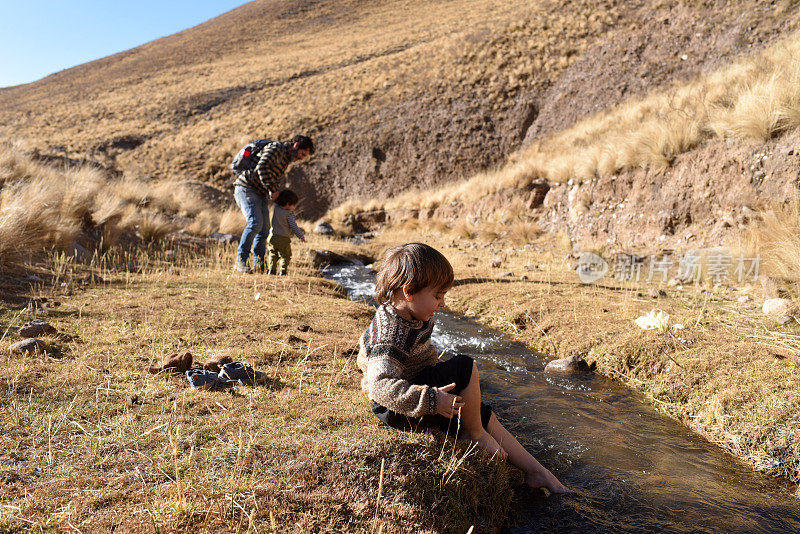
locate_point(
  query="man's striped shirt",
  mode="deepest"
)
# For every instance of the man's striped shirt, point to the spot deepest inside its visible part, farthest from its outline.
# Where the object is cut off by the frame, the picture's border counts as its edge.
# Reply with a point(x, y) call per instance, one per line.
point(265, 178)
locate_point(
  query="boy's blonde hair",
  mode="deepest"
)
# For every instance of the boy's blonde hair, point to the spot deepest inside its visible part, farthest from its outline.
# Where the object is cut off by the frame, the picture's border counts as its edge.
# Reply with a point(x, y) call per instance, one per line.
point(415, 265)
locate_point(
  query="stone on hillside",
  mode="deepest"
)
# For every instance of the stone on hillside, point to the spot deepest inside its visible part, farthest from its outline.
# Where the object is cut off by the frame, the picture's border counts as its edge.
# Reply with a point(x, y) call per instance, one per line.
point(497, 262)
point(656, 293)
point(224, 238)
point(506, 274)
point(537, 195)
point(324, 228)
point(744, 298)
point(28, 346)
point(783, 319)
point(36, 328)
point(570, 364)
point(320, 258)
point(778, 307)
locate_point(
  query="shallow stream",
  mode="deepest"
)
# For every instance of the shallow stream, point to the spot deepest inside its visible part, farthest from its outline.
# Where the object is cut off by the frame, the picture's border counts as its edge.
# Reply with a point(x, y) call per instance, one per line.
point(631, 468)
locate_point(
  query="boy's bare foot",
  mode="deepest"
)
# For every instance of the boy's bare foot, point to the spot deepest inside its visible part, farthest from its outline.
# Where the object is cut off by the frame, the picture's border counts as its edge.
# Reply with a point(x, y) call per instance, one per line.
point(546, 479)
point(488, 443)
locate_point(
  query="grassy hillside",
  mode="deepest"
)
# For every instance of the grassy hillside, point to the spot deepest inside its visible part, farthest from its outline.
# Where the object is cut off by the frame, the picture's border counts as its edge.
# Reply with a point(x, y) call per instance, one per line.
point(686, 161)
point(84, 210)
point(398, 94)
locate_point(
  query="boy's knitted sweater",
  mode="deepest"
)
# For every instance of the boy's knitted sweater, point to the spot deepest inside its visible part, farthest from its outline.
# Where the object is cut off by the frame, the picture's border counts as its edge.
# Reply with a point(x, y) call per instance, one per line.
point(391, 351)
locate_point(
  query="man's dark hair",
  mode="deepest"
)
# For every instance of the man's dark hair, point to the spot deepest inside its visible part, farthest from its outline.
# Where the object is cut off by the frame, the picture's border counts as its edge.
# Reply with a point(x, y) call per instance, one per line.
point(286, 198)
point(303, 141)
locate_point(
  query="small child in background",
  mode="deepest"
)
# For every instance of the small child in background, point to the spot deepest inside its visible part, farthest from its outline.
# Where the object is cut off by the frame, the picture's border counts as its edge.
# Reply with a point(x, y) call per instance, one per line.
point(408, 384)
point(283, 225)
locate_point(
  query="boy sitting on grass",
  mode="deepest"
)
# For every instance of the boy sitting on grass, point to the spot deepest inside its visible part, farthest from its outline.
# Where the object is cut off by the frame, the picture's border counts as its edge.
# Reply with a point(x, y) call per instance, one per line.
point(403, 376)
point(283, 225)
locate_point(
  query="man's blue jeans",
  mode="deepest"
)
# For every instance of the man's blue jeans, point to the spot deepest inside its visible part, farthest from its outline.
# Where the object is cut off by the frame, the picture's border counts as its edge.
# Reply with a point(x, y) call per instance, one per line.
point(256, 210)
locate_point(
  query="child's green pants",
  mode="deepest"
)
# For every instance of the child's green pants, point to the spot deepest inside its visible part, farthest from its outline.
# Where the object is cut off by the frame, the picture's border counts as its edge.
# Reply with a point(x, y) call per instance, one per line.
point(280, 252)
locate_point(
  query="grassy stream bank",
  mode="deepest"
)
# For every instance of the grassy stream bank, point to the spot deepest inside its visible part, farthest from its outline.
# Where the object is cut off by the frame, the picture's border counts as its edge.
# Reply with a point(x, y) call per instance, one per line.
point(731, 374)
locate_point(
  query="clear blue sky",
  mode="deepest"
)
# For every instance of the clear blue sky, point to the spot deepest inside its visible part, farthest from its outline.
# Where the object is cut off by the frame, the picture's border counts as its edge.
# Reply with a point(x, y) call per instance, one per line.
point(40, 37)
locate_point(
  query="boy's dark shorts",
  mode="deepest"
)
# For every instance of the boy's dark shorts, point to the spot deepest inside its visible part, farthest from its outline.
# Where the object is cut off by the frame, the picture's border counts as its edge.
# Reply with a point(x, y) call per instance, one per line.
point(458, 370)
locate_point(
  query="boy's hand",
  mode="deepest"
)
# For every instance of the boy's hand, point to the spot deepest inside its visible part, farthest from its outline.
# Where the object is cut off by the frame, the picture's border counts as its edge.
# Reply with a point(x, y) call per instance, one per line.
point(447, 405)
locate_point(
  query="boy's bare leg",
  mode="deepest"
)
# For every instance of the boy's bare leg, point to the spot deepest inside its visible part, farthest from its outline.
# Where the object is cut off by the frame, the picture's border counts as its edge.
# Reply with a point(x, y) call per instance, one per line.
point(536, 475)
point(471, 416)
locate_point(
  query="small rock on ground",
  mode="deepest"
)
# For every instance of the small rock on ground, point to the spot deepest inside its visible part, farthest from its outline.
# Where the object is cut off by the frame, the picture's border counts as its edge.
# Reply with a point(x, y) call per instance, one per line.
point(325, 257)
point(224, 238)
point(37, 328)
point(778, 307)
point(323, 228)
point(28, 346)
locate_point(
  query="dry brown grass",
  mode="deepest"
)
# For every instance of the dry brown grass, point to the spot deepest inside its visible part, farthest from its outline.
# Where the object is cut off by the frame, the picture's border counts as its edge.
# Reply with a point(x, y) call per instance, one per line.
point(44, 207)
point(232, 221)
point(777, 238)
point(92, 441)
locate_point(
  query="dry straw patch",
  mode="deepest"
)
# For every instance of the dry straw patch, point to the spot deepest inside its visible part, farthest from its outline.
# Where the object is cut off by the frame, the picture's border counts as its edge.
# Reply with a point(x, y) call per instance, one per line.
point(44, 207)
point(777, 237)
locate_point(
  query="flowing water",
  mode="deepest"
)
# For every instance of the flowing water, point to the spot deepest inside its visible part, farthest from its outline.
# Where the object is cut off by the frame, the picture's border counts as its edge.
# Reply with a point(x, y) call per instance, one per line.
point(631, 468)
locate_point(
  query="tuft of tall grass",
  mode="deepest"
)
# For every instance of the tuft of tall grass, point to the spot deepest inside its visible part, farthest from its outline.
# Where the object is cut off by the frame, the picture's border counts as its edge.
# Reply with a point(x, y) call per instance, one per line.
point(232, 221)
point(524, 233)
point(153, 227)
point(777, 238)
point(44, 207)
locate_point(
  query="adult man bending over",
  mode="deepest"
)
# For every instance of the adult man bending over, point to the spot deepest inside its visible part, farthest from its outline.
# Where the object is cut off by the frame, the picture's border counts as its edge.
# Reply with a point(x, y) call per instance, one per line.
point(254, 190)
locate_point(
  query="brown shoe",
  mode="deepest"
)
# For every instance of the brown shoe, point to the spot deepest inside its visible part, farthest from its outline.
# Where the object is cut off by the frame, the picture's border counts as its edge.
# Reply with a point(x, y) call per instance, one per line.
point(176, 362)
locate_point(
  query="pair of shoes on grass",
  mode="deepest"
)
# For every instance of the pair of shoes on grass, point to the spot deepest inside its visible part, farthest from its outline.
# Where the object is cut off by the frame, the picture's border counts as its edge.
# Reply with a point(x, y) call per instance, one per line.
point(231, 374)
